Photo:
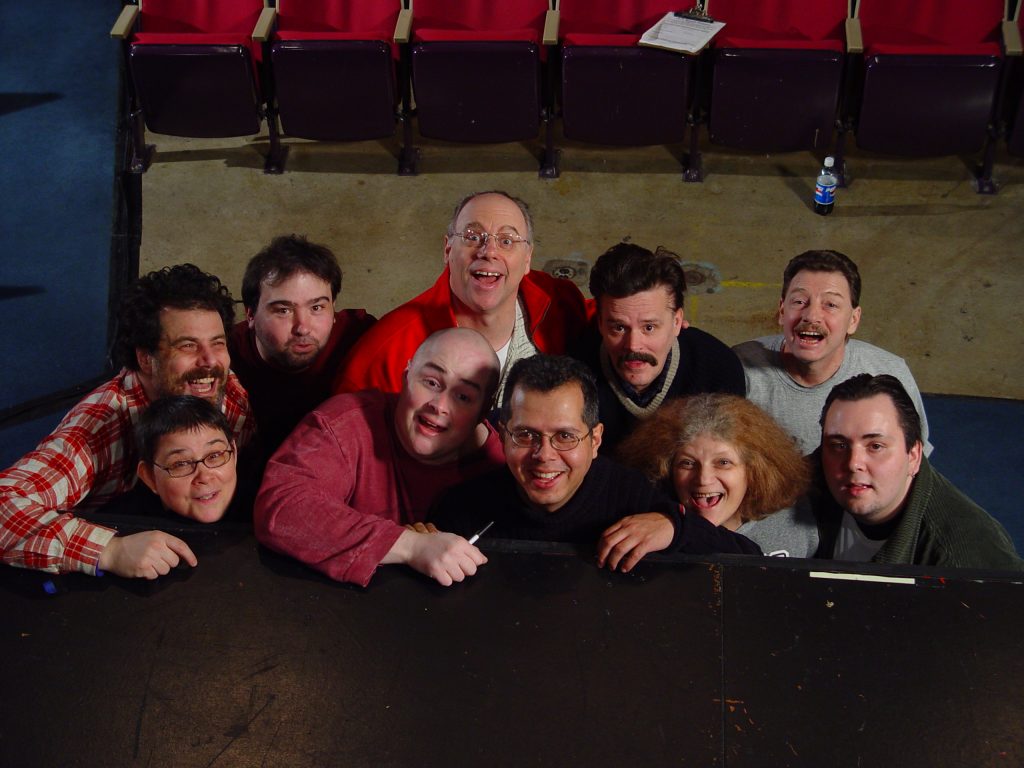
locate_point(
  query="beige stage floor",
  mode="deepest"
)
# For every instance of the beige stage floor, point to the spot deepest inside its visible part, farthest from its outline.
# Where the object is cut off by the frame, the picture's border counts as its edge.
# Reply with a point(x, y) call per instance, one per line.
point(943, 267)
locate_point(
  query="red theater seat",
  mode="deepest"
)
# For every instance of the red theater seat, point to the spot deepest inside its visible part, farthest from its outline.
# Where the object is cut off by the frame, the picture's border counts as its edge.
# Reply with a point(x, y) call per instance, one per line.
point(614, 91)
point(930, 76)
point(777, 73)
point(338, 70)
point(195, 68)
point(477, 69)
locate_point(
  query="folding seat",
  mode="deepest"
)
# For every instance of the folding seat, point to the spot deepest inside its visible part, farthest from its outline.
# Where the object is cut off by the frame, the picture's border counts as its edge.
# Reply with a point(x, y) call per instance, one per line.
point(194, 67)
point(338, 71)
point(931, 76)
point(614, 91)
point(777, 73)
point(477, 70)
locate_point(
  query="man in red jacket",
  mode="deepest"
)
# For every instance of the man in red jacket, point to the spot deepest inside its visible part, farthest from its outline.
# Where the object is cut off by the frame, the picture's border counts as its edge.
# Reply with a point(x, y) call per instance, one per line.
point(487, 285)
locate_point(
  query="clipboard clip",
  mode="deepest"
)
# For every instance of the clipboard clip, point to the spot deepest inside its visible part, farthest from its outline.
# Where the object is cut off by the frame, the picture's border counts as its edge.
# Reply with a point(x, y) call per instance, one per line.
point(694, 14)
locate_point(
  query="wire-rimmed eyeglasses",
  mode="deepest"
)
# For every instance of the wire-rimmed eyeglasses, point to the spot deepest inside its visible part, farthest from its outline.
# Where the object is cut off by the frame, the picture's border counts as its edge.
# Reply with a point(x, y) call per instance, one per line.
point(187, 467)
point(560, 441)
point(504, 241)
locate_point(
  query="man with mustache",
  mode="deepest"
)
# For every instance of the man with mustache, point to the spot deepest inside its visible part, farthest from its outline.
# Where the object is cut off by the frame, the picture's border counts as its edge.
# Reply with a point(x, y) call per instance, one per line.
point(291, 342)
point(882, 501)
point(790, 375)
point(171, 339)
point(351, 486)
point(486, 285)
point(643, 350)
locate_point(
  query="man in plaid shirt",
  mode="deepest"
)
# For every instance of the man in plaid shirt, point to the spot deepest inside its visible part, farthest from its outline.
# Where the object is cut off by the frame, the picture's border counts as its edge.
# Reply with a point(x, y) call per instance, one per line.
point(171, 340)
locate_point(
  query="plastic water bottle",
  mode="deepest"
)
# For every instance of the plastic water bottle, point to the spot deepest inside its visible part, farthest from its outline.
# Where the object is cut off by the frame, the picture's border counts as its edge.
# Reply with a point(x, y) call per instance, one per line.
point(825, 188)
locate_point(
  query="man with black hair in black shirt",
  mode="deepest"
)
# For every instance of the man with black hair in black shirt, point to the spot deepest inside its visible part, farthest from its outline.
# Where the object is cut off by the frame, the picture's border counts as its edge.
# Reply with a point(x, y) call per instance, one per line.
point(555, 487)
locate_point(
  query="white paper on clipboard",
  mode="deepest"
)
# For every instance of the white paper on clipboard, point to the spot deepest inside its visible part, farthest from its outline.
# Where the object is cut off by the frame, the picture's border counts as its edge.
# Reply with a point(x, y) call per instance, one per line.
point(679, 33)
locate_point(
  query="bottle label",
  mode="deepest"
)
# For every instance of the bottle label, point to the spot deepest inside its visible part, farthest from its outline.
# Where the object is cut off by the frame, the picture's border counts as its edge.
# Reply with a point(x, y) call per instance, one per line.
point(824, 194)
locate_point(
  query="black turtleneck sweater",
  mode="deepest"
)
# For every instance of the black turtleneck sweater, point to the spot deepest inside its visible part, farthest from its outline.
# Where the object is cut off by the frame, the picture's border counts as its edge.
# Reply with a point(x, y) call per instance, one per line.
point(607, 494)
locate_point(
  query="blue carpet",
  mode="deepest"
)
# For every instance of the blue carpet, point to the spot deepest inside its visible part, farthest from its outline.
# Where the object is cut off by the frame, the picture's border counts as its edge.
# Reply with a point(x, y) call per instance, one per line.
point(58, 112)
point(977, 446)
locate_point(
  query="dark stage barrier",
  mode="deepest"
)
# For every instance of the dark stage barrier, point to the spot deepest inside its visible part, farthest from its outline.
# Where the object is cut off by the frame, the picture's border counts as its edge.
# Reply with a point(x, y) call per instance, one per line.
point(542, 659)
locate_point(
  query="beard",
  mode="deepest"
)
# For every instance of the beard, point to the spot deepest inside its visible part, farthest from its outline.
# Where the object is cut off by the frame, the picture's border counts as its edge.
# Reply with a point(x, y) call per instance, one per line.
point(194, 382)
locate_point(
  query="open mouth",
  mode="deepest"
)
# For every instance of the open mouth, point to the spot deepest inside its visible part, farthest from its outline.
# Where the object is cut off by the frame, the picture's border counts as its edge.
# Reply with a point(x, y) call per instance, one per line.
point(545, 480)
point(203, 387)
point(486, 277)
point(206, 498)
point(429, 427)
point(810, 336)
point(706, 500)
point(856, 489)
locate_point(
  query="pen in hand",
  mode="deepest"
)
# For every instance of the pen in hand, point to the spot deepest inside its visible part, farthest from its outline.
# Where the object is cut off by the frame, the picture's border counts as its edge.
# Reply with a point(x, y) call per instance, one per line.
point(476, 536)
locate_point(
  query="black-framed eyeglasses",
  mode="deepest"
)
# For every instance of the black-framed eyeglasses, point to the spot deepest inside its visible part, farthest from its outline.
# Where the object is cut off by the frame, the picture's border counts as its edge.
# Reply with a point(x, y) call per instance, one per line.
point(187, 467)
point(560, 441)
point(504, 241)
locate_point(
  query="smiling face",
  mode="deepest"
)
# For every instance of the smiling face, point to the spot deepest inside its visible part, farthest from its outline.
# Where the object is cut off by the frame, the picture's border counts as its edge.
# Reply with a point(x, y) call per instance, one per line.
point(293, 320)
point(710, 478)
point(191, 358)
point(816, 316)
point(547, 478)
point(867, 465)
point(486, 279)
point(202, 496)
point(448, 384)
point(638, 332)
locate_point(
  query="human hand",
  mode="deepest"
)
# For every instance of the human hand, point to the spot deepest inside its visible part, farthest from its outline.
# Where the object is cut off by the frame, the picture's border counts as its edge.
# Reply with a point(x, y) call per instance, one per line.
point(422, 527)
point(624, 544)
point(444, 557)
point(147, 555)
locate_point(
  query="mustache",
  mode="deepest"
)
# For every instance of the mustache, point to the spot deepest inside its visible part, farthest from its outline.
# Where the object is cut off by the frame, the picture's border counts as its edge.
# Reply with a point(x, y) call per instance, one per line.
point(811, 327)
point(216, 372)
point(639, 357)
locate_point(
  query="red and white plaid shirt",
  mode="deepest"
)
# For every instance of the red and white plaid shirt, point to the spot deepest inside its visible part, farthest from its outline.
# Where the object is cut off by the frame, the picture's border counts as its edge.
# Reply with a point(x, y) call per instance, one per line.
point(88, 459)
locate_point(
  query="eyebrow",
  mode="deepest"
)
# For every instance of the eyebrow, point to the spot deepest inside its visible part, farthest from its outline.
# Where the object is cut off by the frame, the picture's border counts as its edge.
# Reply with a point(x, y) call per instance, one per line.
point(442, 370)
point(865, 436)
point(208, 444)
point(503, 229)
point(286, 303)
point(180, 339)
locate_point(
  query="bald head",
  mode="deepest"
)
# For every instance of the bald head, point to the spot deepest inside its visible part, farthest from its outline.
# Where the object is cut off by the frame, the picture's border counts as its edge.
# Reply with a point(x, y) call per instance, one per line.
point(464, 353)
point(449, 386)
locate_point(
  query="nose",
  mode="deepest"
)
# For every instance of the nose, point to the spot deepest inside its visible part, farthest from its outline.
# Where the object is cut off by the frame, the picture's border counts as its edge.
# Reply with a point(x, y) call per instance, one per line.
point(300, 325)
point(705, 474)
point(855, 459)
point(440, 402)
point(543, 450)
point(202, 474)
point(207, 356)
point(633, 340)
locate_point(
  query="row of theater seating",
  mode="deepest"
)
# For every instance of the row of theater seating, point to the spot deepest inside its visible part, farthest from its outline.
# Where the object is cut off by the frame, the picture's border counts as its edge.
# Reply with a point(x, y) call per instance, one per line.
point(906, 77)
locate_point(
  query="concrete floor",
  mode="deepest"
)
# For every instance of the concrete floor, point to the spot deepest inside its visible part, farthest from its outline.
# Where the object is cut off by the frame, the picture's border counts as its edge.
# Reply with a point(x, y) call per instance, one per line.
point(943, 267)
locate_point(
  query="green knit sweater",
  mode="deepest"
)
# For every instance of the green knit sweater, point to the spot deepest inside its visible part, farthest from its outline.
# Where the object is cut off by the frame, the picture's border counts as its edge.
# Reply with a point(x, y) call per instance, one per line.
point(939, 526)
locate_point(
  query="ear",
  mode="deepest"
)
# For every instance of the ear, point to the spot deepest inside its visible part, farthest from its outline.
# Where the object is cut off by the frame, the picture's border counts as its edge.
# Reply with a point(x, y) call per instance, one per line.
point(448, 242)
point(679, 321)
point(596, 440)
point(916, 452)
point(145, 473)
point(145, 361)
point(854, 322)
point(529, 259)
point(250, 317)
point(779, 314)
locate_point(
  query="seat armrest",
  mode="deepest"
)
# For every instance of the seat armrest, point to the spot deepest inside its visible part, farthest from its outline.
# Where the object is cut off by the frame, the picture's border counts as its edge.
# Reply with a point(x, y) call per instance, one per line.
point(550, 28)
point(1011, 39)
point(854, 39)
point(403, 26)
point(122, 28)
point(264, 25)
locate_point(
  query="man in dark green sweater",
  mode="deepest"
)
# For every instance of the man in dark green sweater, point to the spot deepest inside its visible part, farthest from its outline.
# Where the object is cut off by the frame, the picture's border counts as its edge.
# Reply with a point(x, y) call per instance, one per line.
point(555, 487)
point(886, 504)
